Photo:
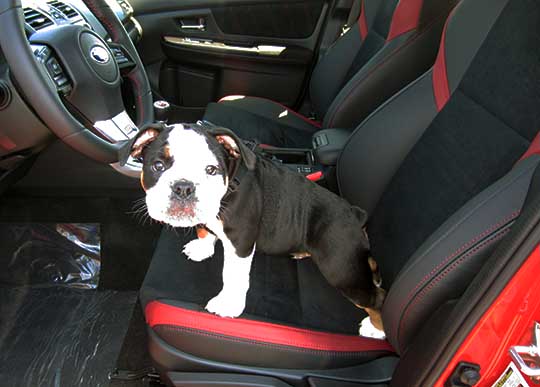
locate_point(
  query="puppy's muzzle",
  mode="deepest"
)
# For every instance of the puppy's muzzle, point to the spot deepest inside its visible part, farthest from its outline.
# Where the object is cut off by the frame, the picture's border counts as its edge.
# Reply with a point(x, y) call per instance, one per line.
point(183, 189)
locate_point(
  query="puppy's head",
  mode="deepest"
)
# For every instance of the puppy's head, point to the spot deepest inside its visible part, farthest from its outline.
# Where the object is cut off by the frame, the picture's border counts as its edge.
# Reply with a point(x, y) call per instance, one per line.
point(186, 170)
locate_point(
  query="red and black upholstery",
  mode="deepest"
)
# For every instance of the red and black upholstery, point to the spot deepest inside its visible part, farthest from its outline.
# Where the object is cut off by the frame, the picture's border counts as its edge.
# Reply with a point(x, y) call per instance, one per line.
point(391, 44)
point(443, 169)
point(287, 323)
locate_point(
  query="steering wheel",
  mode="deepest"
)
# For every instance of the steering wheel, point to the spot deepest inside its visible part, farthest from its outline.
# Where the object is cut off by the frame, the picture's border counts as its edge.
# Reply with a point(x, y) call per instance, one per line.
point(72, 78)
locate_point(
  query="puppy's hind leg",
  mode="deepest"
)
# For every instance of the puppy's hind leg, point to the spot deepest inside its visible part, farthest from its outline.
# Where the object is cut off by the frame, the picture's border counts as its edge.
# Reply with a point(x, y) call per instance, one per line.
point(354, 277)
point(367, 326)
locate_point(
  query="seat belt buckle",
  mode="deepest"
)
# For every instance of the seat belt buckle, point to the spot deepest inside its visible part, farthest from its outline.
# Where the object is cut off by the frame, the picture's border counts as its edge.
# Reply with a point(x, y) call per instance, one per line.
point(315, 176)
point(344, 30)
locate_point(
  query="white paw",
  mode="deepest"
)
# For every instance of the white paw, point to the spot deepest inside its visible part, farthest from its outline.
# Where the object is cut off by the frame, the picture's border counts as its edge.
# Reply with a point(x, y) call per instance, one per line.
point(227, 304)
point(368, 330)
point(199, 249)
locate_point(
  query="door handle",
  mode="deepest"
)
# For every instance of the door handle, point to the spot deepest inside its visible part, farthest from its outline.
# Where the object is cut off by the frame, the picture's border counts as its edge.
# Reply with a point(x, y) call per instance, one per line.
point(193, 24)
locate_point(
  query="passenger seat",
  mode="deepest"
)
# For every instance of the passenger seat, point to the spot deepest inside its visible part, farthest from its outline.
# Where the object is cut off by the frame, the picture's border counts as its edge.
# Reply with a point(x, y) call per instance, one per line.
point(392, 43)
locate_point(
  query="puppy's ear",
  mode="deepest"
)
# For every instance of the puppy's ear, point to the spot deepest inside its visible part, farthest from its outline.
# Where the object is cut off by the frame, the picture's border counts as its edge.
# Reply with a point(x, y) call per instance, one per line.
point(137, 144)
point(234, 146)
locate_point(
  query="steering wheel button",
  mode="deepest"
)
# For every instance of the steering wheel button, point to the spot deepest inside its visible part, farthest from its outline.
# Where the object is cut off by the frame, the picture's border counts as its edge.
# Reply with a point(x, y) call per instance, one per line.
point(44, 53)
point(60, 80)
point(54, 67)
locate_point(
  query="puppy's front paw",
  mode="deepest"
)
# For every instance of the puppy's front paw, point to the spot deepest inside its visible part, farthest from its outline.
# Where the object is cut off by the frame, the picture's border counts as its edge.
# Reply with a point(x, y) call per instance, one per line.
point(227, 304)
point(368, 330)
point(199, 249)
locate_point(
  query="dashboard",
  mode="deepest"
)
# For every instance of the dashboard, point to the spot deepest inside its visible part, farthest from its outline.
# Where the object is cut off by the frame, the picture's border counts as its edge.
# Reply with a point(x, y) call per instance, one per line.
point(45, 14)
point(22, 133)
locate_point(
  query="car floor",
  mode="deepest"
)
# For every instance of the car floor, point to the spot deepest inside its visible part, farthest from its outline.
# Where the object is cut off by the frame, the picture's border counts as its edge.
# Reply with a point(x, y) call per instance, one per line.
point(60, 336)
point(57, 336)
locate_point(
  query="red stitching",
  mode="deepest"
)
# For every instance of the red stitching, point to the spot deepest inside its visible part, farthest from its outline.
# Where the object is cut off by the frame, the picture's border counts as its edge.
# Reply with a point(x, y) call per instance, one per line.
point(441, 276)
point(95, 10)
point(262, 339)
point(290, 347)
point(159, 313)
point(457, 252)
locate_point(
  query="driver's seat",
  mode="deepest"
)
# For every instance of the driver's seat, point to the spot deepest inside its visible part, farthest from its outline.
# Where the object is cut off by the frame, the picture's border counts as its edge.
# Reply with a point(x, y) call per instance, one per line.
point(442, 168)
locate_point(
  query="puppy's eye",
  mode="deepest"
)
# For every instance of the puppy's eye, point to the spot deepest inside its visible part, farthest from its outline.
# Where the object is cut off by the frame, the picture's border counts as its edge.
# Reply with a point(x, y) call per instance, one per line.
point(158, 166)
point(211, 170)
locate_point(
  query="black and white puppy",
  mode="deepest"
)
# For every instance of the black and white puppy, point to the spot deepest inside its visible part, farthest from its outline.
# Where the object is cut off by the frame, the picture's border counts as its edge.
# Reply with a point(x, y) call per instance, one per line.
point(206, 177)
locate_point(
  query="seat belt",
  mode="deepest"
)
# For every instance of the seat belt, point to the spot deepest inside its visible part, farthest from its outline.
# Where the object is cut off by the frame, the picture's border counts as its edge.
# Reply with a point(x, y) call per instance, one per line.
point(354, 14)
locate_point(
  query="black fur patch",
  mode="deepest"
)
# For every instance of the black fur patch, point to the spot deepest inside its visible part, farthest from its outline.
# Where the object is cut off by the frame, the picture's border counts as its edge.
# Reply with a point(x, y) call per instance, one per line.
point(282, 212)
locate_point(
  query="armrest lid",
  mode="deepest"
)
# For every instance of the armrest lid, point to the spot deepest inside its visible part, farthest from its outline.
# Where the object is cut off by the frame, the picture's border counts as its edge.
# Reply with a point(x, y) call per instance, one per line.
point(328, 143)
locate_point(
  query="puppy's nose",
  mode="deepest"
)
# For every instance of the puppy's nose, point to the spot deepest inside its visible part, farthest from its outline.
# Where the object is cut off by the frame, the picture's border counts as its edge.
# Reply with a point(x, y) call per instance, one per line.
point(183, 189)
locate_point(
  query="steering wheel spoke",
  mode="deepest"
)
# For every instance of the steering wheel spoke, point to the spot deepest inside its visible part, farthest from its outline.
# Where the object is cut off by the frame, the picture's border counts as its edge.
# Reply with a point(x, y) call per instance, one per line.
point(122, 57)
point(46, 57)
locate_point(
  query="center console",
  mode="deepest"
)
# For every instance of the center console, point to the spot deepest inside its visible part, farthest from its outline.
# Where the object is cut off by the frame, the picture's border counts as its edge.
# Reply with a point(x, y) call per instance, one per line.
point(316, 163)
point(298, 159)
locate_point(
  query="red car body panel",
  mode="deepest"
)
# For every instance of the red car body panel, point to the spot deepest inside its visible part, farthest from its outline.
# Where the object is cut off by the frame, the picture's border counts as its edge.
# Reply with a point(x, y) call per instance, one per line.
point(508, 321)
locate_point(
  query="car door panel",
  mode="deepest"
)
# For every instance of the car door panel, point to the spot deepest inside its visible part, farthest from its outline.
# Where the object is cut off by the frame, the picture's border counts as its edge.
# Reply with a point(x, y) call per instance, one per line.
point(260, 48)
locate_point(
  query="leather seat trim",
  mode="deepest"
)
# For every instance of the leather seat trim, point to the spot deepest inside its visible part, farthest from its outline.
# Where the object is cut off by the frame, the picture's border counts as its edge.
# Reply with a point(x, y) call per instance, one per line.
point(362, 22)
point(441, 88)
point(406, 18)
point(159, 313)
point(534, 148)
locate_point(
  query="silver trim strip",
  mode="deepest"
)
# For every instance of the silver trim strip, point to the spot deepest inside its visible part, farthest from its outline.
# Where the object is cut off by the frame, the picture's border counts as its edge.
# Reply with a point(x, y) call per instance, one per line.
point(266, 50)
point(124, 123)
point(109, 129)
point(118, 128)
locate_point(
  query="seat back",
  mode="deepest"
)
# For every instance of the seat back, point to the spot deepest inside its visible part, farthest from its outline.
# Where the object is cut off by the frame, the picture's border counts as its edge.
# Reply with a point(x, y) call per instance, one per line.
point(391, 44)
point(439, 167)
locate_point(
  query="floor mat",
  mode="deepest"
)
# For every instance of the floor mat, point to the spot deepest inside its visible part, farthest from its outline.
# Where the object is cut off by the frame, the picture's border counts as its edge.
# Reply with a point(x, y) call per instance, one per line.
point(127, 239)
point(56, 336)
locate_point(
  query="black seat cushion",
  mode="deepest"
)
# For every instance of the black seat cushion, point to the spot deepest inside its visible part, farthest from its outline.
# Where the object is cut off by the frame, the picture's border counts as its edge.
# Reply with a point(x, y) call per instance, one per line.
point(290, 309)
point(266, 121)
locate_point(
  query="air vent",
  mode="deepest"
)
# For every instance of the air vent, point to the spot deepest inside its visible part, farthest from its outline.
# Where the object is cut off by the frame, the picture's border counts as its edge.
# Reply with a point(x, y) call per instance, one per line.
point(67, 10)
point(36, 19)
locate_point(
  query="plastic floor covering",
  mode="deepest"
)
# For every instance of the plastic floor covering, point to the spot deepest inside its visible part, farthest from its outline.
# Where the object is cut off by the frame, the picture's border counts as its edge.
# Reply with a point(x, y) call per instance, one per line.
point(58, 336)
